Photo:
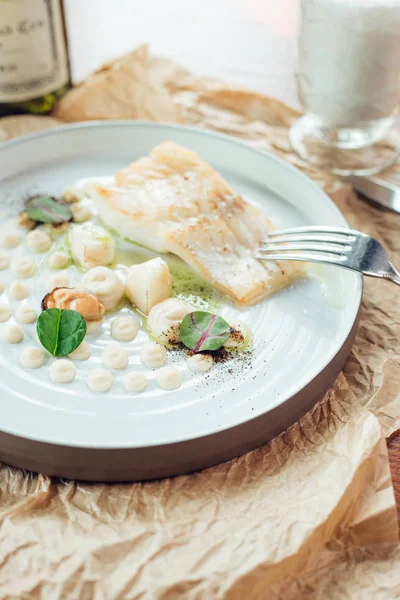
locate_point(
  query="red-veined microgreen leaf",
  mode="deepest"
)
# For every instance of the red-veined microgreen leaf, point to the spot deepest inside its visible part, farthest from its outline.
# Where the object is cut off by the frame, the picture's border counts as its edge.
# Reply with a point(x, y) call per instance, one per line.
point(202, 330)
point(45, 209)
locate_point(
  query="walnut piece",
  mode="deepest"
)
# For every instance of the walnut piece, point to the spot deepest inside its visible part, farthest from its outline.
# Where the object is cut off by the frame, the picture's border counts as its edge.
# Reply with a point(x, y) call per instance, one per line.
point(70, 196)
point(56, 229)
point(25, 222)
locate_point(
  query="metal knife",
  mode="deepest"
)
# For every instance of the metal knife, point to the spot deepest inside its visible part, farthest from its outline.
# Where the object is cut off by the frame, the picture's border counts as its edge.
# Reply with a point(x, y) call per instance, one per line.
point(378, 191)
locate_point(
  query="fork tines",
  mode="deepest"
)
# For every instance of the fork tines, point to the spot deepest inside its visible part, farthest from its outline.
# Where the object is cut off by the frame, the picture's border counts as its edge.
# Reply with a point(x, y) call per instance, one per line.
point(307, 244)
point(315, 233)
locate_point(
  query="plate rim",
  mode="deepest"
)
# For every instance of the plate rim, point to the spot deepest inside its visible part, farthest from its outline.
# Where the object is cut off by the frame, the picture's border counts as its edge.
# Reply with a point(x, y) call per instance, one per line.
point(207, 133)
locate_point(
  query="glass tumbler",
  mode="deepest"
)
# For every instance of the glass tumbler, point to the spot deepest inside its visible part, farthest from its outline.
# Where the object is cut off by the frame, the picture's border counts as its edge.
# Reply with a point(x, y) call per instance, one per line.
point(348, 82)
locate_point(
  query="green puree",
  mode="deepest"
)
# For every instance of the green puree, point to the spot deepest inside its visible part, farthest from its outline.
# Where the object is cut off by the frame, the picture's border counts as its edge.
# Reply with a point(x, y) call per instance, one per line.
point(186, 284)
point(191, 288)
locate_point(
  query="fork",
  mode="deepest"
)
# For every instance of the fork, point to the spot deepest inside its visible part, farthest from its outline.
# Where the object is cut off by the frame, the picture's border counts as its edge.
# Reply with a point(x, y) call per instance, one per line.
point(337, 246)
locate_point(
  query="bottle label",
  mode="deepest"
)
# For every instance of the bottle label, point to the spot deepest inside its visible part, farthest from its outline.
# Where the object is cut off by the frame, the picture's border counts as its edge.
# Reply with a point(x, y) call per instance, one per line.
point(33, 53)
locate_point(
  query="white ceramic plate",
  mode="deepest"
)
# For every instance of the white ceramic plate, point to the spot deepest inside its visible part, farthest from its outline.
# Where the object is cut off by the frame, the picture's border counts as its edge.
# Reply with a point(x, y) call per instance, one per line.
point(302, 335)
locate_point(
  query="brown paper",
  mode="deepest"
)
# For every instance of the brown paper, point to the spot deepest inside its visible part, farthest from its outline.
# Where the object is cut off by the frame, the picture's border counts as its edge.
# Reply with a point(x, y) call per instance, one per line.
point(11, 127)
point(123, 89)
point(310, 515)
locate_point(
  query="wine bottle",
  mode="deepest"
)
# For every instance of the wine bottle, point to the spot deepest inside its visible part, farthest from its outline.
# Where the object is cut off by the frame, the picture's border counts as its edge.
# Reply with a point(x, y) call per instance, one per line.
point(34, 65)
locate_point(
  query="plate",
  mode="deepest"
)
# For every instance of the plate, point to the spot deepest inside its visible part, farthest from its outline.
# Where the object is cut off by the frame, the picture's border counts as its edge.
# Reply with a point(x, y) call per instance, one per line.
point(301, 336)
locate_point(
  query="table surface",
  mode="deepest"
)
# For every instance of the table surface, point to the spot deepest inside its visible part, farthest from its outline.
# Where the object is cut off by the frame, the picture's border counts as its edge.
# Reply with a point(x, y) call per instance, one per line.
point(251, 43)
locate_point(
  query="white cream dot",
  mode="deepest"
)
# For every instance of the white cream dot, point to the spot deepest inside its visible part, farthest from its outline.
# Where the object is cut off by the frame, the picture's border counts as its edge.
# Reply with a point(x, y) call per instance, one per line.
point(25, 313)
point(18, 290)
point(24, 267)
point(153, 355)
point(115, 356)
point(135, 382)
point(100, 380)
point(4, 260)
point(199, 363)
point(165, 318)
point(82, 352)
point(169, 378)
point(10, 240)
point(38, 241)
point(62, 371)
point(124, 329)
point(57, 280)
point(58, 260)
point(105, 284)
point(12, 334)
point(5, 312)
point(32, 357)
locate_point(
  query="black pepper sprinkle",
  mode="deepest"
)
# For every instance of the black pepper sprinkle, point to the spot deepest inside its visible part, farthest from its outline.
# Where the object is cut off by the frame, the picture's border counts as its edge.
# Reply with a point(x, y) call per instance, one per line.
point(228, 365)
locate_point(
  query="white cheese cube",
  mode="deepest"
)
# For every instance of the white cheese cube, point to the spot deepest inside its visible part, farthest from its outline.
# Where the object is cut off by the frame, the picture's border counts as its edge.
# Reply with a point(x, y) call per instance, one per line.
point(91, 245)
point(148, 284)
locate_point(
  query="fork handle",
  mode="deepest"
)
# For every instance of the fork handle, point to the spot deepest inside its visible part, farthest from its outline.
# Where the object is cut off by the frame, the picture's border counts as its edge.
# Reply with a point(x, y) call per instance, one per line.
point(392, 274)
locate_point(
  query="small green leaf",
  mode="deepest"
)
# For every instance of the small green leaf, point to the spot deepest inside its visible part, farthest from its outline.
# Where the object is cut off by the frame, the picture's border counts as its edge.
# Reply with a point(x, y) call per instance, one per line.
point(45, 209)
point(202, 330)
point(60, 331)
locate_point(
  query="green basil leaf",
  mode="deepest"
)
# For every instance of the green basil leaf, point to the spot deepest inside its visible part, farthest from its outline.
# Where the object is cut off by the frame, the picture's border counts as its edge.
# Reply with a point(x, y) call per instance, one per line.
point(60, 331)
point(45, 209)
point(202, 330)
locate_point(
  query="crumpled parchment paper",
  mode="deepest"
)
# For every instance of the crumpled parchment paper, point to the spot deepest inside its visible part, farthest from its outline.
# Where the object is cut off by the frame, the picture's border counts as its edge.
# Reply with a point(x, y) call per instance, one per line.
point(311, 515)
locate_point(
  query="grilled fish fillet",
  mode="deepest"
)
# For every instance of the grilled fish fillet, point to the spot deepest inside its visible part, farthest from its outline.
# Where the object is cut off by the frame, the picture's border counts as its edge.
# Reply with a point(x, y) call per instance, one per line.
point(171, 201)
